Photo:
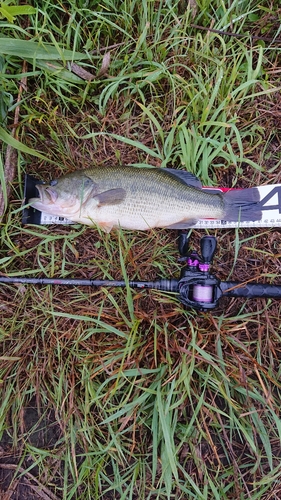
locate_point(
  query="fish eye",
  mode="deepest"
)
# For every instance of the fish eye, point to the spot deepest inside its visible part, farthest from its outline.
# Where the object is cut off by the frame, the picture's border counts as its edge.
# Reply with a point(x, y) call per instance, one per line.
point(53, 182)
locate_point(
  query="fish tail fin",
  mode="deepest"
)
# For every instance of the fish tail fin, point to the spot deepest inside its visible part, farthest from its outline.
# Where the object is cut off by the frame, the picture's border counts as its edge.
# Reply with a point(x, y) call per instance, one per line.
point(242, 205)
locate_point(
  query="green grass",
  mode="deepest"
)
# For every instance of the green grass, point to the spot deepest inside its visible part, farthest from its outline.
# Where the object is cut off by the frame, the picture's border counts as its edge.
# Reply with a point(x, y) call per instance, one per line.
point(120, 393)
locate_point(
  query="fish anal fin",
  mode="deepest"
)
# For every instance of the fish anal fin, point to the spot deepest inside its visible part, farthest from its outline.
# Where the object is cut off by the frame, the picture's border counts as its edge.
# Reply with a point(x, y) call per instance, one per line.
point(183, 224)
point(110, 197)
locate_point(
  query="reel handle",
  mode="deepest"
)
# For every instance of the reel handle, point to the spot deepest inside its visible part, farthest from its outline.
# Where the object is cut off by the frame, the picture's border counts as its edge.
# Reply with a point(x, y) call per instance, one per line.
point(208, 245)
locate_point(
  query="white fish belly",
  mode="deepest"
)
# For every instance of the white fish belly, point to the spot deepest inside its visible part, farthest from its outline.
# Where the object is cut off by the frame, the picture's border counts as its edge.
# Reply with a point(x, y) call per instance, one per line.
point(141, 214)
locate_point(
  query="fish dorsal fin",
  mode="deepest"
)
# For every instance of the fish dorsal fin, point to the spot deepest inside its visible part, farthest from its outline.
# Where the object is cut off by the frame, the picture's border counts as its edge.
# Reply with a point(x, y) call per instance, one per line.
point(184, 176)
point(111, 197)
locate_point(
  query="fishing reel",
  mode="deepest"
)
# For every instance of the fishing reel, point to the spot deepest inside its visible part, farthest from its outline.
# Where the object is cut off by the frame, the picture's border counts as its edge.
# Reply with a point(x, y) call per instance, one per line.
point(197, 287)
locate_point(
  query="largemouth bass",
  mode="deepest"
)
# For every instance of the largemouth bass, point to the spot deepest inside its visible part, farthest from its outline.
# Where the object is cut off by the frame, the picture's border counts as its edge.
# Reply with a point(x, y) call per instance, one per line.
point(141, 198)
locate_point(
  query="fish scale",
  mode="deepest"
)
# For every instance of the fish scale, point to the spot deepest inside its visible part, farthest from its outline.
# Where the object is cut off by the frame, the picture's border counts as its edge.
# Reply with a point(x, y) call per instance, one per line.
point(140, 198)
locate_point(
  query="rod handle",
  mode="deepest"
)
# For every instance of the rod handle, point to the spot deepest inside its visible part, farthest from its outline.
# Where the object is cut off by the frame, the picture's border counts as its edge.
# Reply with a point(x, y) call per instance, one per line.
point(250, 290)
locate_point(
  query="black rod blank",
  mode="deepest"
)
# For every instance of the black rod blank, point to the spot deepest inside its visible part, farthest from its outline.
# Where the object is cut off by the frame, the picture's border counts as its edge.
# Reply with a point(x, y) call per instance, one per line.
point(162, 284)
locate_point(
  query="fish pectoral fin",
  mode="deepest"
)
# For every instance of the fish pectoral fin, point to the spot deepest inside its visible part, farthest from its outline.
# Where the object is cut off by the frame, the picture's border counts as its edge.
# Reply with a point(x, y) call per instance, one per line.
point(111, 197)
point(183, 224)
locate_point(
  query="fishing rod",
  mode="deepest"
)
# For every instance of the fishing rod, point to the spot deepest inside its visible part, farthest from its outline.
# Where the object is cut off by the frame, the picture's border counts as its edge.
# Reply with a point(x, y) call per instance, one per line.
point(197, 287)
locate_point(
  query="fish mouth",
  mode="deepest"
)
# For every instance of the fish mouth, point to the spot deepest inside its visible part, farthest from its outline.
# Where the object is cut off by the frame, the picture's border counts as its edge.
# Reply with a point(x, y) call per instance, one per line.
point(47, 197)
point(46, 194)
